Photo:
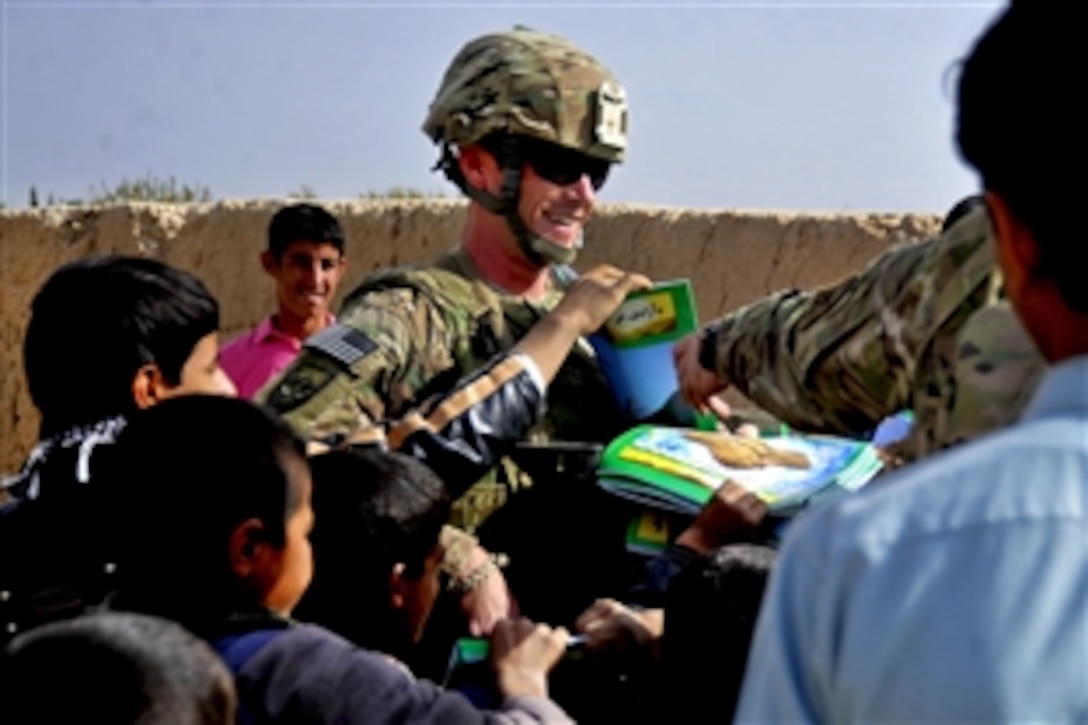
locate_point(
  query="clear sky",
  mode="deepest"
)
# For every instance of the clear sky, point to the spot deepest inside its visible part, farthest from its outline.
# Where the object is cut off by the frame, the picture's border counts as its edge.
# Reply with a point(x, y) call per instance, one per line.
point(754, 105)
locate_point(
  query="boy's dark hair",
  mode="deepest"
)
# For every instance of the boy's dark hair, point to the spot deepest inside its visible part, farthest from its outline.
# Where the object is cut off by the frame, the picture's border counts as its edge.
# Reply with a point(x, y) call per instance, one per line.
point(373, 509)
point(96, 321)
point(1018, 126)
point(183, 475)
point(303, 223)
point(710, 617)
point(114, 668)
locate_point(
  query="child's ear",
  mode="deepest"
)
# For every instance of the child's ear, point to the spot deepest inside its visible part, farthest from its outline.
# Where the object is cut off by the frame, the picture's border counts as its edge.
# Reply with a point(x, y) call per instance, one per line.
point(148, 386)
point(268, 262)
point(397, 594)
point(247, 543)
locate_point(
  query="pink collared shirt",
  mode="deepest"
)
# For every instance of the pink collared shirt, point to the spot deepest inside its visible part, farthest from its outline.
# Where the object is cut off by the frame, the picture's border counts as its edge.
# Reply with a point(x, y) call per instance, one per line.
point(252, 359)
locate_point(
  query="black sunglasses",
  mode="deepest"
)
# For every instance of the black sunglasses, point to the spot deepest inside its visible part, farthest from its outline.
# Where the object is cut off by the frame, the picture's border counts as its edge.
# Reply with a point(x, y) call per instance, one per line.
point(563, 166)
point(551, 162)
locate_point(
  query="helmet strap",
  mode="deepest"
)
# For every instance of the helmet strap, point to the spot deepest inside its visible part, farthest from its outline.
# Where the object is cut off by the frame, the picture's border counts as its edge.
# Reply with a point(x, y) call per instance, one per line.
point(449, 166)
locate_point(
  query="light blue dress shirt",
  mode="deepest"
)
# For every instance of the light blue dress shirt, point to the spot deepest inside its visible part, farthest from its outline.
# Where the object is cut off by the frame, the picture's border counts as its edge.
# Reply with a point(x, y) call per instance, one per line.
point(954, 591)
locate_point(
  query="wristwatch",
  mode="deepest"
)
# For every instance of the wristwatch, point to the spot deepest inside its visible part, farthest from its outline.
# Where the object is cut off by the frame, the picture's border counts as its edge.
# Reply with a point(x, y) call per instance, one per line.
point(708, 348)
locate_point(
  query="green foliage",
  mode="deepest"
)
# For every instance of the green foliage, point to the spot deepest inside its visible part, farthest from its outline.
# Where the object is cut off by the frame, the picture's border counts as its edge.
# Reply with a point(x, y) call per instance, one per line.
point(305, 191)
point(149, 188)
point(152, 188)
point(403, 192)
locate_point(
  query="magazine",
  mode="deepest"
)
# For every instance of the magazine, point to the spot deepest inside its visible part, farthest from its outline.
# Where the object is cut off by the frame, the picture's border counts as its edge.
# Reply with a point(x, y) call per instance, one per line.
point(634, 347)
point(669, 471)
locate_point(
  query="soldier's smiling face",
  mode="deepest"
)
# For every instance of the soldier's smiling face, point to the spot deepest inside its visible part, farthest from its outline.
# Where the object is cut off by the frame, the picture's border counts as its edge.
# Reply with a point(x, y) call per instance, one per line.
point(558, 192)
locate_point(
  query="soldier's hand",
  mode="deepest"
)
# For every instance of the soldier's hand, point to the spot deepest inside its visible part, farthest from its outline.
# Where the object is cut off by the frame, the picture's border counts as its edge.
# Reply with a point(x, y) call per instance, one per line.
point(523, 653)
point(697, 384)
point(732, 515)
point(611, 626)
point(596, 295)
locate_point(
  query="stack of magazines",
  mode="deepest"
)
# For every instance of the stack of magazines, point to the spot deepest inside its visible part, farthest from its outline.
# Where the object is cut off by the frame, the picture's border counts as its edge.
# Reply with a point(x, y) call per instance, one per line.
point(670, 471)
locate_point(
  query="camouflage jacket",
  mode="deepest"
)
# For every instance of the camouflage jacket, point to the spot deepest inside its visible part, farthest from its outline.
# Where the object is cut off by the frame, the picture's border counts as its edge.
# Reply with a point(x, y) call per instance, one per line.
point(922, 328)
point(407, 335)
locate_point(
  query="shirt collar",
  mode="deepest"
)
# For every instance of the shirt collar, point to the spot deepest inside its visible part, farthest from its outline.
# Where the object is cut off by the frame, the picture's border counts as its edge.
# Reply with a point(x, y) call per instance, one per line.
point(265, 329)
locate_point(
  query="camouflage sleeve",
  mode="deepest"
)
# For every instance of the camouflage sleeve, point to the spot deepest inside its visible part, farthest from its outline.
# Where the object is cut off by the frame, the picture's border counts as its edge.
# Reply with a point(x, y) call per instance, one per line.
point(842, 358)
point(998, 368)
point(369, 366)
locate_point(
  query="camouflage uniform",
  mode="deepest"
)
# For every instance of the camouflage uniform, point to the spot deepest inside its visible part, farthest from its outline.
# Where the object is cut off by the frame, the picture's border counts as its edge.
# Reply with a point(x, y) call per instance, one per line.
point(922, 328)
point(428, 328)
point(405, 335)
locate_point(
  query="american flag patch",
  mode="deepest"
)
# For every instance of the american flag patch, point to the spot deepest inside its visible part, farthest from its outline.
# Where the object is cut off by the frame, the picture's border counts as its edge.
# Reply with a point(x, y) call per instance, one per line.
point(343, 343)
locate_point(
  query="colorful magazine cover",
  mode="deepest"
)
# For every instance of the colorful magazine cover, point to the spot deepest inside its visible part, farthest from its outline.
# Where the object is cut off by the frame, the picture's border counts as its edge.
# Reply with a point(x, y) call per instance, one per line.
point(668, 471)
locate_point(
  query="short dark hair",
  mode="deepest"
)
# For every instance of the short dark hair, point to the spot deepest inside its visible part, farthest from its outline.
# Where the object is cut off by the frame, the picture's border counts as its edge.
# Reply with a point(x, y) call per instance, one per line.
point(1017, 124)
point(96, 321)
point(303, 223)
point(373, 509)
point(183, 475)
point(114, 668)
point(710, 617)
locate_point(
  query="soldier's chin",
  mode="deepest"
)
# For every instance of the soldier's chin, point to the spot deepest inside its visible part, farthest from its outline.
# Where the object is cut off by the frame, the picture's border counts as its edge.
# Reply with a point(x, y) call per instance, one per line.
point(555, 253)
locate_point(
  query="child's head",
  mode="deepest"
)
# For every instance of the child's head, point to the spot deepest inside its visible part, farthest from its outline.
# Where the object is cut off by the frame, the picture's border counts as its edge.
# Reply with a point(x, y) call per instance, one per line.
point(114, 668)
point(109, 335)
point(305, 257)
point(710, 617)
point(212, 503)
point(376, 544)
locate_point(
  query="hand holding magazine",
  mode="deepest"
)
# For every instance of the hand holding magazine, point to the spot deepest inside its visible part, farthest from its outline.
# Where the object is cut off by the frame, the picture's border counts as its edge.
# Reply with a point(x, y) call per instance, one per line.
point(634, 348)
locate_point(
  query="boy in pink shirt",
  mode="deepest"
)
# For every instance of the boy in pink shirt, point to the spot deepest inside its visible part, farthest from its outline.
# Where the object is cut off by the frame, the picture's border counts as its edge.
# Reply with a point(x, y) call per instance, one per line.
point(305, 257)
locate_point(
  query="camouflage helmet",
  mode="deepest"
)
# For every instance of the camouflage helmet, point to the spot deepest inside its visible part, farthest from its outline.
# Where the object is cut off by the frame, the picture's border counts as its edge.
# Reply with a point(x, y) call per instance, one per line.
point(528, 83)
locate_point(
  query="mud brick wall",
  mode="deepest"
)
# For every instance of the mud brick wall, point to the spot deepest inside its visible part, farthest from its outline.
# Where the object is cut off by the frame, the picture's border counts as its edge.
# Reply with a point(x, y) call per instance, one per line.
point(731, 256)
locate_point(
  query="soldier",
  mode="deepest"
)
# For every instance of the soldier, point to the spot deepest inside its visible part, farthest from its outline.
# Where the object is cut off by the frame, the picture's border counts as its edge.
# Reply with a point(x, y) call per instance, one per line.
point(528, 126)
point(924, 328)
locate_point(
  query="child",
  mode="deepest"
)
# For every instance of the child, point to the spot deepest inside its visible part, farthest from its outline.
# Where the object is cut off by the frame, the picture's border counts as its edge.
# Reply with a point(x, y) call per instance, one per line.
point(710, 618)
point(107, 336)
point(123, 669)
point(219, 544)
point(376, 546)
point(305, 258)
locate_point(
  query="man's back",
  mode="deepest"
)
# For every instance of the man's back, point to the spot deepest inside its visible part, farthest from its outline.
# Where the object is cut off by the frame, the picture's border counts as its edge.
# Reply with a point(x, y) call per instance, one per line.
point(953, 591)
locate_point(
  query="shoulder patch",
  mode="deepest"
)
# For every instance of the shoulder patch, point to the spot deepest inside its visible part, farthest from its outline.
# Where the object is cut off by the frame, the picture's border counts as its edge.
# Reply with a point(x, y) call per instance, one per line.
point(299, 385)
point(342, 343)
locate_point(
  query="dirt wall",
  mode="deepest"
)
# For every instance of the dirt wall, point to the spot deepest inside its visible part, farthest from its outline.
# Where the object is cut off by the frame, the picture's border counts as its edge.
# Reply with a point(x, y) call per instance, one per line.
point(732, 257)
